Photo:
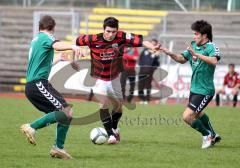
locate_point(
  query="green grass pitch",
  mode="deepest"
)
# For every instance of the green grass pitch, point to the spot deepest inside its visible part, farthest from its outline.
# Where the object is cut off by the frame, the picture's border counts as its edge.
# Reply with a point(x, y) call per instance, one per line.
point(152, 136)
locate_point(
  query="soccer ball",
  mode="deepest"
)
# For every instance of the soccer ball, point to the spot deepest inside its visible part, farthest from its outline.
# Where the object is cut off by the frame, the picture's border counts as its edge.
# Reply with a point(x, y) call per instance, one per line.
point(98, 135)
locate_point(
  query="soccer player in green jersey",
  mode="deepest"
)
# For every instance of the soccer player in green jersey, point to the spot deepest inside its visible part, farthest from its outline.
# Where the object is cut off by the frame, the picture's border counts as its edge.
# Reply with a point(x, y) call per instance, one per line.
point(203, 56)
point(40, 92)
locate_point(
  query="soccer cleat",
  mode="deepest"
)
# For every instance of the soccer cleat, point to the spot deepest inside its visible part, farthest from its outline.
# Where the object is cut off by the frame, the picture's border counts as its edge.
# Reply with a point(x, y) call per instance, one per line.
point(207, 141)
point(112, 140)
point(116, 134)
point(29, 132)
point(216, 139)
point(56, 152)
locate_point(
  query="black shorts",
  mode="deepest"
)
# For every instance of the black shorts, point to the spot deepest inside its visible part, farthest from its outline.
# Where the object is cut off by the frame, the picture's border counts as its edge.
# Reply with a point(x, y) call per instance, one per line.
point(44, 97)
point(198, 102)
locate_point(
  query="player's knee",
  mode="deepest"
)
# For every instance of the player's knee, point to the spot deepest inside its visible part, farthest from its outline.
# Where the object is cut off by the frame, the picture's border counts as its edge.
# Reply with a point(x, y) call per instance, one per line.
point(118, 107)
point(188, 117)
point(103, 106)
point(118, 110)
point(64, 116)
point(68, 110)
point(234, 92)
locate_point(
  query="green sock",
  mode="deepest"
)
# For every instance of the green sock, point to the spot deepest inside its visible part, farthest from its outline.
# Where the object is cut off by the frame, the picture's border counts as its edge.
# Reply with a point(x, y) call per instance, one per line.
point(198, 125)
point(50, 118)
point(44, 121)
point(61, 135)
point(206, 122)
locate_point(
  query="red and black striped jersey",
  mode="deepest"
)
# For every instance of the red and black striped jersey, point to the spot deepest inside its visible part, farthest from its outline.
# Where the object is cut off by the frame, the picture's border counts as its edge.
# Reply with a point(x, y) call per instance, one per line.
point(106, 56)
point(130, 57)
point(231, 80)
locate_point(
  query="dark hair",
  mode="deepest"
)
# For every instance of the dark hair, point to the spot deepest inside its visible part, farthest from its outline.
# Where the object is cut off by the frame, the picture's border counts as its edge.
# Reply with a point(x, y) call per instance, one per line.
point(231, 64)
point(155, 40)
point(203, 27)
point(110, 22)
point(47, 23)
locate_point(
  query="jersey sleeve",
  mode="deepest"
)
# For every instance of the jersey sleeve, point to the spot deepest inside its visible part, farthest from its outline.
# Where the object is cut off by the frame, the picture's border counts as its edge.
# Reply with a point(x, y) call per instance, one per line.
point(214, 51)
point(132, 55)
point(48, 41)
point(133, 40)
point(238, 78)
point(225, 81)
point(84, 40)
point(186, 54)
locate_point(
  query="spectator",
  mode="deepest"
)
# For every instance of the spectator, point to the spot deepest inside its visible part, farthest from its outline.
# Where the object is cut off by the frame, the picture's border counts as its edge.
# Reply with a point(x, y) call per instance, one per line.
point(148, 63)
point(230, 85)
point(129, 62)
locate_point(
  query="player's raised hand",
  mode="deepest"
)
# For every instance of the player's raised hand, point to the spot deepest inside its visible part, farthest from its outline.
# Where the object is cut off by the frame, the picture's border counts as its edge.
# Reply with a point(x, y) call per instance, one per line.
point(152, 47)
point(157, 47)
point(190, 49)
point(61, 57)
point(77, 51)
point(64, 57)
point(165, 50)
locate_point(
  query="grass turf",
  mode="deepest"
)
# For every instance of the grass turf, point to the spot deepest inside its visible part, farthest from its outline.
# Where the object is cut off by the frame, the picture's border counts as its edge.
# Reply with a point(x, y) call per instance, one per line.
point(152, 136)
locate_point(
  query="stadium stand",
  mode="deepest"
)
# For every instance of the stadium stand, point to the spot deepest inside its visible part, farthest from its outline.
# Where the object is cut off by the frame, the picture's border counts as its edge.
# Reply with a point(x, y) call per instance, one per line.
point(16, 27)
point(225, 32)
point(135, 21)
point(16, 33)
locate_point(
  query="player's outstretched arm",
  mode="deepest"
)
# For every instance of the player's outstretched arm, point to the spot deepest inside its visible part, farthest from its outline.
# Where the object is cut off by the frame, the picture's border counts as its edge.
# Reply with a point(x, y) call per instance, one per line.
point(78, 53)
point(61, 57)
point(209, 60)
point(63, 46)
point(74, 64)
point(176, 57)
point(150, 46)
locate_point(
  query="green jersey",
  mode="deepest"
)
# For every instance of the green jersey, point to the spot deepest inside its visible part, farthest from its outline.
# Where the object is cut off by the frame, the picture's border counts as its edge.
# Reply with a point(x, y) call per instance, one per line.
point(202, 72)
point(40, 57)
